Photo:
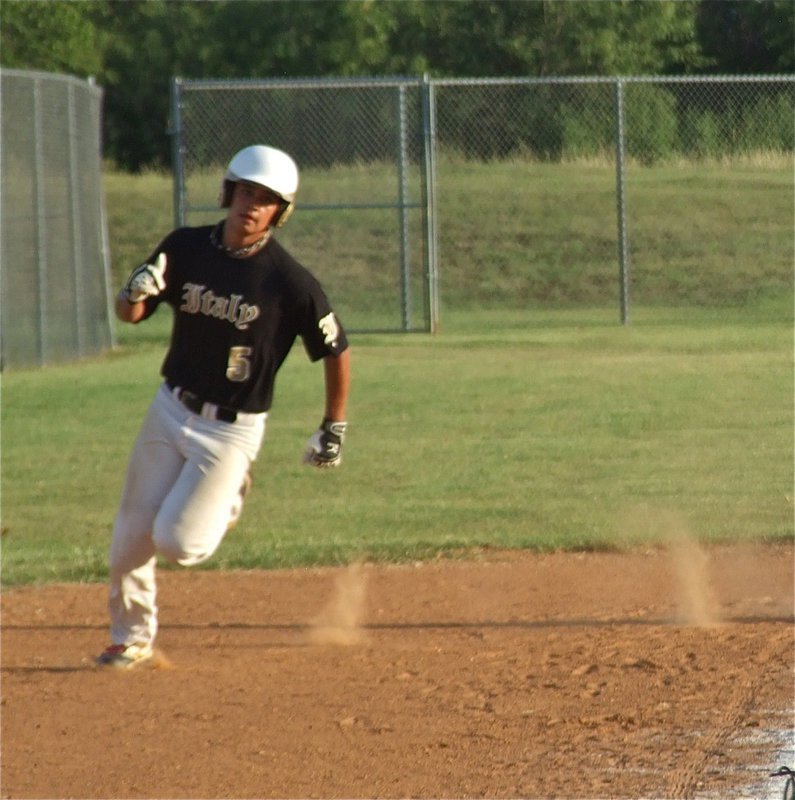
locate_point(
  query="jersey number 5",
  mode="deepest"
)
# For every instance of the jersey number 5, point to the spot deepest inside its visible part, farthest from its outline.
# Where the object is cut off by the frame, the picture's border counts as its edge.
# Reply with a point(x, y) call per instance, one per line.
point(238, 368)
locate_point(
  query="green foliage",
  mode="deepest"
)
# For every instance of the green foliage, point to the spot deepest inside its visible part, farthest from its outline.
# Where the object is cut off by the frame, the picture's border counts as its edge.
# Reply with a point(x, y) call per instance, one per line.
point(766, 125)
point(149, 42)
point(747, 35)
point(651, 123)
point(50, 36)
point(700, 133)
point(135, 48)
point(662, 121)
point(617, 37)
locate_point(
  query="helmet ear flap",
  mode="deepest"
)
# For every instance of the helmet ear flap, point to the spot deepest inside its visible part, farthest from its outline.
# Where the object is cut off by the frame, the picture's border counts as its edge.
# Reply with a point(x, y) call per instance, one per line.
point(281, 217)
point(225, 195)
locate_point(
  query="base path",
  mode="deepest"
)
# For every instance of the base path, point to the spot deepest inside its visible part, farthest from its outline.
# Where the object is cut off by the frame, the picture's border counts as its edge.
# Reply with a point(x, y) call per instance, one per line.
point(661, 673)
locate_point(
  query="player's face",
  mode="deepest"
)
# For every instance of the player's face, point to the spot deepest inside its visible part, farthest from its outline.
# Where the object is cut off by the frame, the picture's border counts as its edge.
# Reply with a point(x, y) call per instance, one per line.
point(251, 212)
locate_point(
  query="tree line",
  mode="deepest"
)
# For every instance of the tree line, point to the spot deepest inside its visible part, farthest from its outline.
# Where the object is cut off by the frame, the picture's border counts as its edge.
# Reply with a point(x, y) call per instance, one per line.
point(133, 49)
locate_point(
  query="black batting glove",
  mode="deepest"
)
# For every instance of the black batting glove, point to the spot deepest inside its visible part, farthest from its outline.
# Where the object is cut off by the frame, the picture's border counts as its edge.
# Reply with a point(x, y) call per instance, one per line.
point(324, 448)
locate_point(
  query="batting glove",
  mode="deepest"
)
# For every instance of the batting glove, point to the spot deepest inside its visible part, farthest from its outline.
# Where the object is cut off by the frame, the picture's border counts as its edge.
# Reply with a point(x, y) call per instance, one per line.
point(146, 281)
point(324, 448)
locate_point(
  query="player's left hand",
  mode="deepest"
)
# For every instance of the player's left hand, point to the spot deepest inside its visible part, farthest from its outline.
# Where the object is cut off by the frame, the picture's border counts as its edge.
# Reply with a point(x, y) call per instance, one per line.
point(324, 448)
point(146, 281)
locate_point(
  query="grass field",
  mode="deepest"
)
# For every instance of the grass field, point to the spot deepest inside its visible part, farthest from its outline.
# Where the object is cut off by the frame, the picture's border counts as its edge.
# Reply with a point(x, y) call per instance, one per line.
point(532, 420)
point(553, 429)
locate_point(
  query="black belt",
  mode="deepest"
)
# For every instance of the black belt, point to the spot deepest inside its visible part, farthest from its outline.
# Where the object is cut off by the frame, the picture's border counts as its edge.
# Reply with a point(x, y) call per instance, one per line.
point(198, 406)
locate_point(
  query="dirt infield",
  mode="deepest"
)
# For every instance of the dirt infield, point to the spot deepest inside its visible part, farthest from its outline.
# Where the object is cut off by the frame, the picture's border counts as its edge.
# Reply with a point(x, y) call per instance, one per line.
point(666, 673)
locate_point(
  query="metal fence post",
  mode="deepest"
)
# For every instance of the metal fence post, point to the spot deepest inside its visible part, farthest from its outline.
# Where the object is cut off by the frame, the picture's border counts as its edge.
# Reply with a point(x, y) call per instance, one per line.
point(75, 214)
point(623, 243)
point(403, 196)
point(429, 150)
point(40, 178)
point(178, 164)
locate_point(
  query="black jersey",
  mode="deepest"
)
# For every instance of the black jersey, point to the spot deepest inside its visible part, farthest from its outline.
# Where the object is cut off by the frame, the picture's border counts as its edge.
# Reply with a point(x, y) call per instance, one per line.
point(235, 319)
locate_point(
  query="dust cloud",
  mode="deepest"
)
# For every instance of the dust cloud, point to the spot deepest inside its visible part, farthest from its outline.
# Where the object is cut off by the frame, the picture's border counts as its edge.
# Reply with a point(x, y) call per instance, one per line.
point(340, 620)
point(693, 585)
point(696, 599)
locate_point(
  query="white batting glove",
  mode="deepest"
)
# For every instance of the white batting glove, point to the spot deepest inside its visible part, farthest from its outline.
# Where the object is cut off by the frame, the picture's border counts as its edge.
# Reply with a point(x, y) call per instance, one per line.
point(146, 281)
point(324, 448)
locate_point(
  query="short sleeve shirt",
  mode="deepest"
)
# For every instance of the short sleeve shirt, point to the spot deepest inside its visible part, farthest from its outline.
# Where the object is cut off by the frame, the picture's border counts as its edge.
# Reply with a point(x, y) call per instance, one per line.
point(236, 319)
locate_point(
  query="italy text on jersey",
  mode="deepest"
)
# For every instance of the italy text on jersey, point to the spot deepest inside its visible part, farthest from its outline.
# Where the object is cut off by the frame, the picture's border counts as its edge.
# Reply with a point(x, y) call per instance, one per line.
point(198, 301)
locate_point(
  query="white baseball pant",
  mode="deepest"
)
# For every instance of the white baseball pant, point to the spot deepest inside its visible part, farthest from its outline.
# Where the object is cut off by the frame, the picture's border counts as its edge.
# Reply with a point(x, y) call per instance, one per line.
point(182, 481)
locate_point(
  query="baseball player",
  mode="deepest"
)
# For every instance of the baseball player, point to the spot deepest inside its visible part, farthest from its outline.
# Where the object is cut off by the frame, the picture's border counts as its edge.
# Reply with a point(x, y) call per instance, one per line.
point(239, 301)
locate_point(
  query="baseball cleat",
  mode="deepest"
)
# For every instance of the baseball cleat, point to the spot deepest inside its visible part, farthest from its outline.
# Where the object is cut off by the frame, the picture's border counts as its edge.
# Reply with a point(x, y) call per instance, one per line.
point(125, 656)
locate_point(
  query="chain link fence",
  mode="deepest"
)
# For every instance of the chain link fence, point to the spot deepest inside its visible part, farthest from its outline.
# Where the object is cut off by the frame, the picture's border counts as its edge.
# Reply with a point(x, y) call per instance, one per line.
point(364, 217)
point(514, 192)
point(53, 263)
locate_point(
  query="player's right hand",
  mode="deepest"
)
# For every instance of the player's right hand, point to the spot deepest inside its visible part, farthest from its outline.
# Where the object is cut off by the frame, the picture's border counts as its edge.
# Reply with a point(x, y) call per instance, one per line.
point(324, 448)
point(146, 281)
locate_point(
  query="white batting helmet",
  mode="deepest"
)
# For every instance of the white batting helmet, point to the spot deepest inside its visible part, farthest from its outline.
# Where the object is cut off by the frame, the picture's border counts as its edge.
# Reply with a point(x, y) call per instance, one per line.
point(265, 166)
